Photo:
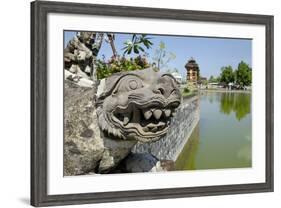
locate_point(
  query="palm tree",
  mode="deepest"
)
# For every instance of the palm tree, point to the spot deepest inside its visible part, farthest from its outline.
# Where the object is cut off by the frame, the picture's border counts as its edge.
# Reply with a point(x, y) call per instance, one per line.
point(135, 44)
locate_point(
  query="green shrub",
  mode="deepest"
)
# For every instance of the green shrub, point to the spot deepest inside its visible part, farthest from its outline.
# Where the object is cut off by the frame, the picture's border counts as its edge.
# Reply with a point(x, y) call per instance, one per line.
point(114, 65)
point(186, 90)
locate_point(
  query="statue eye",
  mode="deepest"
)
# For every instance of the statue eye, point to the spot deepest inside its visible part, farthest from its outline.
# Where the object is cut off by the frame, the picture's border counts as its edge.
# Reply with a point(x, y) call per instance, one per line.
point(129, 83)
point(133, 84)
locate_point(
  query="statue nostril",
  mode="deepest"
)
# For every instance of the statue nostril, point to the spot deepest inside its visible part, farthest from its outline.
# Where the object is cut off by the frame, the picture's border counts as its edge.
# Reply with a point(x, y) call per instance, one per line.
point(161, 90)
point(165, 92)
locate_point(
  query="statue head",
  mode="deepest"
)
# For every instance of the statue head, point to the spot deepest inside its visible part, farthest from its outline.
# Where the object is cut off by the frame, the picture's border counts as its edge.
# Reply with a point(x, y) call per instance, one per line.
point(138, 105)
point(88, 38)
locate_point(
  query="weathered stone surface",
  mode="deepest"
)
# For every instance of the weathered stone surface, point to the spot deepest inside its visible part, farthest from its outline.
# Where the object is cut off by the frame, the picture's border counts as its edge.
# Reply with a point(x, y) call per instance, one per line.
point(75, 78)
point(81, 154)
point(144, 162)
point(115, 150)
point(137, 105)
point(78, 54)
point(85, 148)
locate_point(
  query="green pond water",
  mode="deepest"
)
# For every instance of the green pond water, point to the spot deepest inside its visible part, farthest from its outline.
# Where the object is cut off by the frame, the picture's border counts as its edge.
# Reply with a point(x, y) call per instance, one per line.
point(222, 138)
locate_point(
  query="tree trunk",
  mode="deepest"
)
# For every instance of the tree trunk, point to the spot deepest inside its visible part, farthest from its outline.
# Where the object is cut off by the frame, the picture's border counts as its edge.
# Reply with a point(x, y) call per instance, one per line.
point(98, 43)
point(111, 41)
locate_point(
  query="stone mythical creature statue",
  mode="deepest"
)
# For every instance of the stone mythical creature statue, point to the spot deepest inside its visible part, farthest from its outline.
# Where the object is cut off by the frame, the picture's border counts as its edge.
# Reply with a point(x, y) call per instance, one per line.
point(137, 105)
point(78, 54)
point(131, 107)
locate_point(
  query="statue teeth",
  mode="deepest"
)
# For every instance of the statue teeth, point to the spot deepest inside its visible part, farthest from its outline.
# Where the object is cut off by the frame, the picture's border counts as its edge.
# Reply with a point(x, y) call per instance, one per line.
point(126, 120)
point(157, 113)
point(147, 114)
point(167, 112)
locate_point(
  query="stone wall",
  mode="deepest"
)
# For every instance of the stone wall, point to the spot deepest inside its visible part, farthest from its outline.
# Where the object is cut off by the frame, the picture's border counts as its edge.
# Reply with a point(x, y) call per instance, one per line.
point(182, 125)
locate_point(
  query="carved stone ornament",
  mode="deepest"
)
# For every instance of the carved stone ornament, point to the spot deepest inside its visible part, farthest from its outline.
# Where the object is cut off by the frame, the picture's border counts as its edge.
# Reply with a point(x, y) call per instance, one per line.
point(137, 105)
point(78, 54)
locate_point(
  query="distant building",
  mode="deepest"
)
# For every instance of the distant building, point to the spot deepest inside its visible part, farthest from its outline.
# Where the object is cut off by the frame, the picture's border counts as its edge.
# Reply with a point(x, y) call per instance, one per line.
point(214, 85)
point(202, 80)
point(192, 69)
point(177, 76)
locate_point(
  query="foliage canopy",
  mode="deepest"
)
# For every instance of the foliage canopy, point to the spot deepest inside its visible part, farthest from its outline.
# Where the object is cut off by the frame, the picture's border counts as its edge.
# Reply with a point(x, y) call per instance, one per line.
point(114, 65)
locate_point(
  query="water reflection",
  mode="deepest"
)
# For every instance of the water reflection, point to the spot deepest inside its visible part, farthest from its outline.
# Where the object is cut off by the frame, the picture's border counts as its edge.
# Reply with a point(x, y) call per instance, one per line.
point(239, 103)
point(223, 136)
point(189, 151)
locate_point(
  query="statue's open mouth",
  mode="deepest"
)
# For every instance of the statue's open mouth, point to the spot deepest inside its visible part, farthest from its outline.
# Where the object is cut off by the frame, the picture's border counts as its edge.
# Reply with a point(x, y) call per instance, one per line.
point(146, 120)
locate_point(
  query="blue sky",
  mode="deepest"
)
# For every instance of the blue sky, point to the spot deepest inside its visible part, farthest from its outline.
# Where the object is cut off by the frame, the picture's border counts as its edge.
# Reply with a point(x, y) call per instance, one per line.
point(210, 53)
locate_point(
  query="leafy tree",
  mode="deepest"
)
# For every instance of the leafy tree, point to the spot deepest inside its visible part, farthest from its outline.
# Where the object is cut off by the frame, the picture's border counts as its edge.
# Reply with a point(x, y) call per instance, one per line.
point(243, 74)
point(214, 79)
point(162, 57)
point(227, 74)
point(136, 44)
point(218, 79)
point(205, 82)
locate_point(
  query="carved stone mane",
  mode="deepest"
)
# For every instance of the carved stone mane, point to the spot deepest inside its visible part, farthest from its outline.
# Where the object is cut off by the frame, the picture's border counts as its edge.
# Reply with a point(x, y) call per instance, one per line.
point(137, 105)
